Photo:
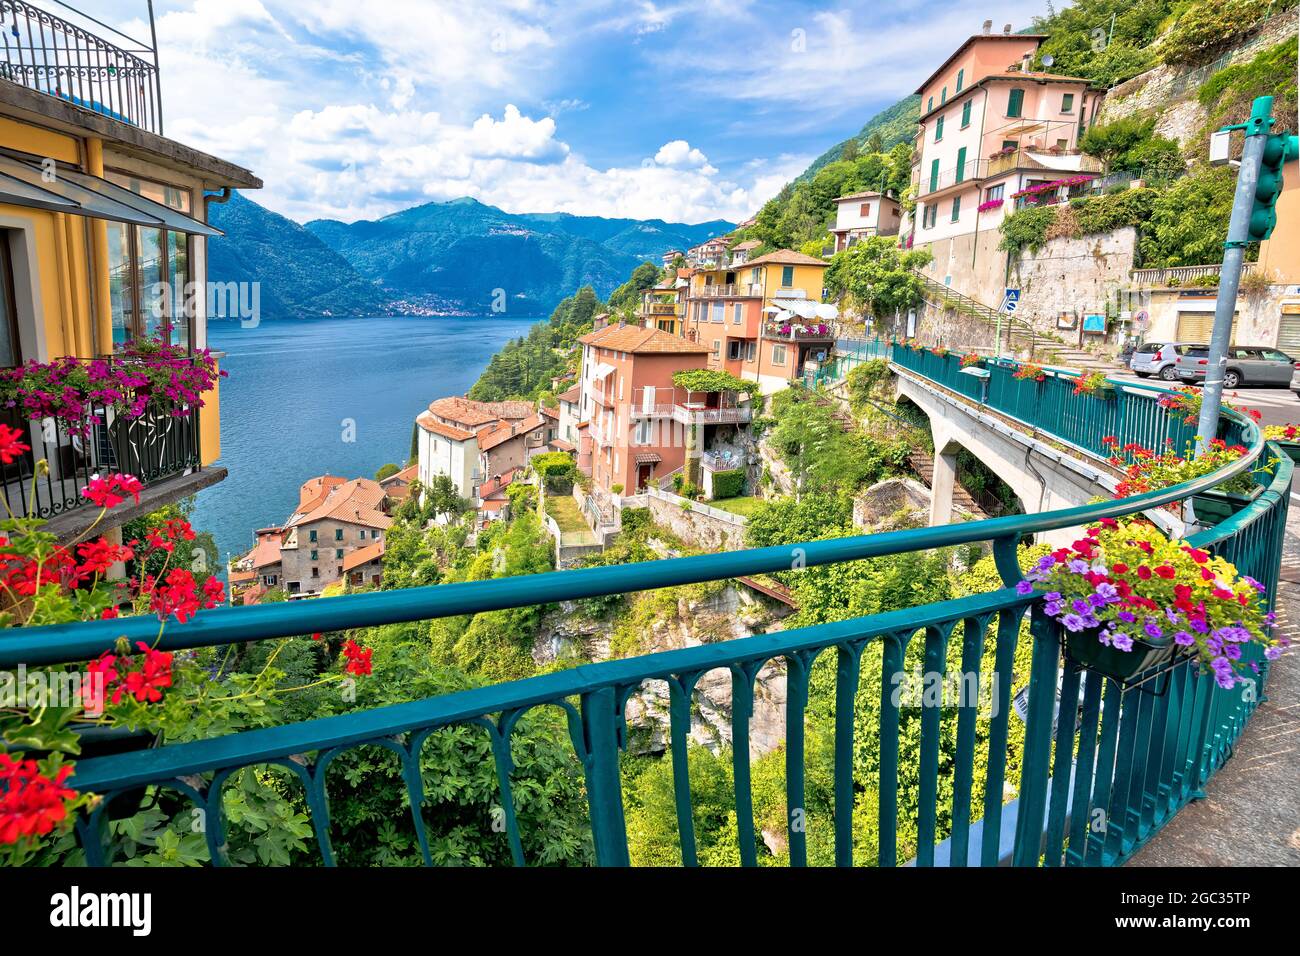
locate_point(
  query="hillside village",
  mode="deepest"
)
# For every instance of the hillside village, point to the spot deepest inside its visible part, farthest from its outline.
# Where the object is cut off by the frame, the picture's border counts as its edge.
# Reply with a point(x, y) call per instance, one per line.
point(697, 570)
point(1017, 176)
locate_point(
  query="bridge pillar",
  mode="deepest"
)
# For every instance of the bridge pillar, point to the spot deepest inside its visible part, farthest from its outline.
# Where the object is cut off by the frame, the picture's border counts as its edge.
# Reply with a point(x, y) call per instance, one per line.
point(944, 480)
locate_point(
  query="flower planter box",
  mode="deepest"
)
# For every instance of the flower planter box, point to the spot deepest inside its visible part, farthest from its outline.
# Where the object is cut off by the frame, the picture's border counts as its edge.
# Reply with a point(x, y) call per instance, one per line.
point(1122, 666)
point(1216, 505)
point(1292, 449)
point(1105, 392)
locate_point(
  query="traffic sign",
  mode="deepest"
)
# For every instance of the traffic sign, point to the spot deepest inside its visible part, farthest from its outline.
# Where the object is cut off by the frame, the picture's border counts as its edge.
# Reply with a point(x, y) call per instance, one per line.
point(1010, 300)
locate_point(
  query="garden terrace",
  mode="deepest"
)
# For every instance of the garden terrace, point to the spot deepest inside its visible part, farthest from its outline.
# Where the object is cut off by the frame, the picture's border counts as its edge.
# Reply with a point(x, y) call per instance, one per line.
point(1135, 755)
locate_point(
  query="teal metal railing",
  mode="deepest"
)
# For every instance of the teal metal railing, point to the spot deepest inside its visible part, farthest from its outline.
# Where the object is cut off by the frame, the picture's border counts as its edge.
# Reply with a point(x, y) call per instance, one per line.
point(1133, 755)
point(848, 355)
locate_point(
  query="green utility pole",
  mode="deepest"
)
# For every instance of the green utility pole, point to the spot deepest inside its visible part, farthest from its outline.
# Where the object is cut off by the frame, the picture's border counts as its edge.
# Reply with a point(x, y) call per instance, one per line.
point(1259, 183)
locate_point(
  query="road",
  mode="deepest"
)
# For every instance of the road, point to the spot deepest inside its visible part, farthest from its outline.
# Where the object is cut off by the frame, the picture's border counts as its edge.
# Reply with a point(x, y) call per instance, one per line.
point(1279, 406)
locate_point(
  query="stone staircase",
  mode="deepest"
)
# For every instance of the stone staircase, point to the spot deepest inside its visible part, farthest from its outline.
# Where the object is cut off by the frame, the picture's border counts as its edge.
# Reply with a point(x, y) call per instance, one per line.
point(923, 465)
point(1018, 336)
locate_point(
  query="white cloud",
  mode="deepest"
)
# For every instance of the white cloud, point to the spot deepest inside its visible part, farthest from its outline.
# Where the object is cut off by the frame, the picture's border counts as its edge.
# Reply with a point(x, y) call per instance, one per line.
point(679, 154)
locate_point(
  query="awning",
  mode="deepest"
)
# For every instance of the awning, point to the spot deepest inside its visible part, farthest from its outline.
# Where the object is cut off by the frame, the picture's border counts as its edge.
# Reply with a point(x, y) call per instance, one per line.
point(648, 458)
point(602, 370)
point(79, 194)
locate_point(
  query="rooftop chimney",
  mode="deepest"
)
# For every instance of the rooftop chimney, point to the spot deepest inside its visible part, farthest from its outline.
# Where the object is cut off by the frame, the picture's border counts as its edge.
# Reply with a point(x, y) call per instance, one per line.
point(1024, 63)
point(1007, 29)
point(988, 27)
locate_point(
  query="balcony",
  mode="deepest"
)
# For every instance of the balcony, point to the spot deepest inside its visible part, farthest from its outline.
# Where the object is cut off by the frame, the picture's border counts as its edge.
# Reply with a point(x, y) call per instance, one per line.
point(1182, 277)
point(54, 56)
point(692, 414)
point(158, 447)
point(972, 171)
point(660, 308)
point(796, 332)
point(727, 460)
point(731, 290)
point(1133, 754)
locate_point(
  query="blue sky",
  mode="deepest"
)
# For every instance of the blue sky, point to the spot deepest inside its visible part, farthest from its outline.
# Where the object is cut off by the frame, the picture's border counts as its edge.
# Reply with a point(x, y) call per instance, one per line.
point(685, 111)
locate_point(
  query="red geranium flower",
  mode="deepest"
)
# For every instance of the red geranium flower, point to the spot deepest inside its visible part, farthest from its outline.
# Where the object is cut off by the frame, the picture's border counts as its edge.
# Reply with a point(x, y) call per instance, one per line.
point(112, 491)
point(11, 444)
point(31, 804)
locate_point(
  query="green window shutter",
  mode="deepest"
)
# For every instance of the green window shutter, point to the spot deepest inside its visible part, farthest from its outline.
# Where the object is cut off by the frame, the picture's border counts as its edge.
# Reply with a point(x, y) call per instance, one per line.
point(956, 208)
point(1015, 102)
point(961, 164)
point(938, 129)
point(787, 276)
point(943, 96)
point(961, 76)
point(929, 105)
point(1067, 102)
point(934, 175)
point(965, 113)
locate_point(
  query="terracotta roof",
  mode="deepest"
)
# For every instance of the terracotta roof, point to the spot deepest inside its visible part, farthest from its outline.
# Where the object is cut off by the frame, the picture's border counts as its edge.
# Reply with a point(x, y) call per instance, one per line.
point(496, 504)
point(471, 413)
point(634, 338)
point(961, 49)
point(253, 595)
point(404, 477)
point(571, 396)
point(494, 485)
point(431, 424)
point(356, 502)
point(371, 552)
point(868, 194)
point(313, 491)
point(787, 257)
point(267, 550)
point(747, 244)
point(239, 577)
point(550, 412)
point(559, 444)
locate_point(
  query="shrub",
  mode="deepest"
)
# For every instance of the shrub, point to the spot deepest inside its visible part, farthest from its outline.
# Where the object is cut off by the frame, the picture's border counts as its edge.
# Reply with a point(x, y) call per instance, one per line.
point(1188, 223)
point(728, 484)
point(1209, 27)
point(1026, 229)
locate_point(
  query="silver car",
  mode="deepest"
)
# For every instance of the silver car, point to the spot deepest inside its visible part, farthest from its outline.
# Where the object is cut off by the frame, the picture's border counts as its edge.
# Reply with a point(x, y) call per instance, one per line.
point(1155, 358)
point(1252, 365)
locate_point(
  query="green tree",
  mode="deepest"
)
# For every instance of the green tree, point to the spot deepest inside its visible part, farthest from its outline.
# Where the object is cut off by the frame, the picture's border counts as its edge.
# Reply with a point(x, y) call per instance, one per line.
point(386, 471)
point(877, 275)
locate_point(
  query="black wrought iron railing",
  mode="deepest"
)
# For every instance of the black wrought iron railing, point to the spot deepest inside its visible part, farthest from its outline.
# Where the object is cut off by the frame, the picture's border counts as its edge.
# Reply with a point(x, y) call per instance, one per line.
point(56, 56)
point(66, 454)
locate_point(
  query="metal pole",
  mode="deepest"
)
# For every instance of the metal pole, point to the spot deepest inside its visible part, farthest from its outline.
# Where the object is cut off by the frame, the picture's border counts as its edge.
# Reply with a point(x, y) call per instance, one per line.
point(157, 72)
point(1234, 254)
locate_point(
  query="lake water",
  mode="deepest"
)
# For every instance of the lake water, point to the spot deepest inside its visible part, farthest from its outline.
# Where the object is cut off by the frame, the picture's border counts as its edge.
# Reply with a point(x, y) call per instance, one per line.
point(335, 396)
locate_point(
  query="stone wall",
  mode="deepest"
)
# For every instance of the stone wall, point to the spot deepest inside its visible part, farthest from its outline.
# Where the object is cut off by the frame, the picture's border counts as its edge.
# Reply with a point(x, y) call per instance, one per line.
point(702, 530)
point(1171, 91)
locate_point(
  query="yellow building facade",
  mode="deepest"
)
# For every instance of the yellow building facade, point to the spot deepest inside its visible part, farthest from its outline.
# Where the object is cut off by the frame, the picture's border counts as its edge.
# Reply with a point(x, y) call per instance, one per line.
point(103, 242)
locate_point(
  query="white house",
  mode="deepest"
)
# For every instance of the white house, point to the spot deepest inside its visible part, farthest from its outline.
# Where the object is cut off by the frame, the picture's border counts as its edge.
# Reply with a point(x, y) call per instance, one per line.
point(863, 214)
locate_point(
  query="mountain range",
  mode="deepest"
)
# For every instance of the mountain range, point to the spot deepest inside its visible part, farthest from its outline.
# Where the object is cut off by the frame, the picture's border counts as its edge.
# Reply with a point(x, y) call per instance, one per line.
point(456, 257)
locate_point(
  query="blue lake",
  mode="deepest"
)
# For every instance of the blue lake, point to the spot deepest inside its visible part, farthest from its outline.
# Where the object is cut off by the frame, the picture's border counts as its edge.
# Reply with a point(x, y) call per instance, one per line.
point(328, 395)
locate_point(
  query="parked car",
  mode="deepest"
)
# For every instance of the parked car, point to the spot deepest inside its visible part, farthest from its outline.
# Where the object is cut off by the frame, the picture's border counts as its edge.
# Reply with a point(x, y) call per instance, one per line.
point(1247, 365)
point(1295, 380)
point(1191, 363)
point(1155, 358)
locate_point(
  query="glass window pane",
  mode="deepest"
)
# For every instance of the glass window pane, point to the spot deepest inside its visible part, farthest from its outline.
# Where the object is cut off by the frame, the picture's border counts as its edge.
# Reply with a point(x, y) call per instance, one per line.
point(10, 354)
point(152, 265)
point(119, 283)
point(178, 260)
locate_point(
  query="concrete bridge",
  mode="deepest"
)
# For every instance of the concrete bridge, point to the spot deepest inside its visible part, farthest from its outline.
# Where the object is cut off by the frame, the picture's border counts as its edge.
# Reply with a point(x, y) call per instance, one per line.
point(1044, 472)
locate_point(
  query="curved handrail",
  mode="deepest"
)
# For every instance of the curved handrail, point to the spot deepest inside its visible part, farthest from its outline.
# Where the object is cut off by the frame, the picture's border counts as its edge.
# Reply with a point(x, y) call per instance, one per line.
point(82, 641)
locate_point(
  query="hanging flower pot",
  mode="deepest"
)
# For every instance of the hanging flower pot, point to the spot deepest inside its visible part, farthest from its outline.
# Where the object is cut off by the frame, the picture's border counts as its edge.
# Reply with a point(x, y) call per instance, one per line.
point(1287, 438)
point(1128, 599)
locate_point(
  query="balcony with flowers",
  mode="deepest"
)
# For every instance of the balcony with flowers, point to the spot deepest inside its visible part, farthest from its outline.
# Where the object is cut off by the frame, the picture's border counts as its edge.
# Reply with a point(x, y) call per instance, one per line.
point(69, 422)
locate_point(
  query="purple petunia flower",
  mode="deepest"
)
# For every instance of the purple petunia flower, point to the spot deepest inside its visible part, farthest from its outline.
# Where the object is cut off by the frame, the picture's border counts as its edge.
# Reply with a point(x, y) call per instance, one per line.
point(1107, 592)
point(1223, 673)
point(1184, 639)
point(1073, 622)
point(1078, 566)
point(1152, 629)
point(1273, 653)
point(1122, 641)
point(1025, 587)
point(1128, 617)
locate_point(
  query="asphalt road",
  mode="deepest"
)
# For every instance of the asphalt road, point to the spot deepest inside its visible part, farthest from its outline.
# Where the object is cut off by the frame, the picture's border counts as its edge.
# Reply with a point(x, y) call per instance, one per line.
point(1279, 406)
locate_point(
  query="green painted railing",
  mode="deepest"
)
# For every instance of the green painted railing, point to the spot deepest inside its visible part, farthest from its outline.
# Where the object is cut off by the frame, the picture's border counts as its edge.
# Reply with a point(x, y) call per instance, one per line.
point(848, 355)
point(1140, 755)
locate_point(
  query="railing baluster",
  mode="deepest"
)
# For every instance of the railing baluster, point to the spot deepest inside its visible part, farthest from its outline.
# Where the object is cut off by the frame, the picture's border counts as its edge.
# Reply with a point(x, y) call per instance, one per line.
point(1038, 740)
point(796, 703)
point(891, 662)
point(847, 671)
point(1061, 766)
point(1084, 768)
point(995, 778)
point(936, 666)
point(742, 708)
point(973, 633)
point(604, 788)
point(680, 688)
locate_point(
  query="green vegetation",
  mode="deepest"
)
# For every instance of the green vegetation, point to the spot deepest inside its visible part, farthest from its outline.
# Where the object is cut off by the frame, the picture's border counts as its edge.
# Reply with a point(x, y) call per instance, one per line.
point(802, 212)
point(1131, 144)
point(743, 505)
point(1207, 28)
point(884, 131)
point(626, 299)
point(728, 484)
point(1227, 94)
point(713, 380)
point(386, 471)
point(877, 275)
point(564, 510)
